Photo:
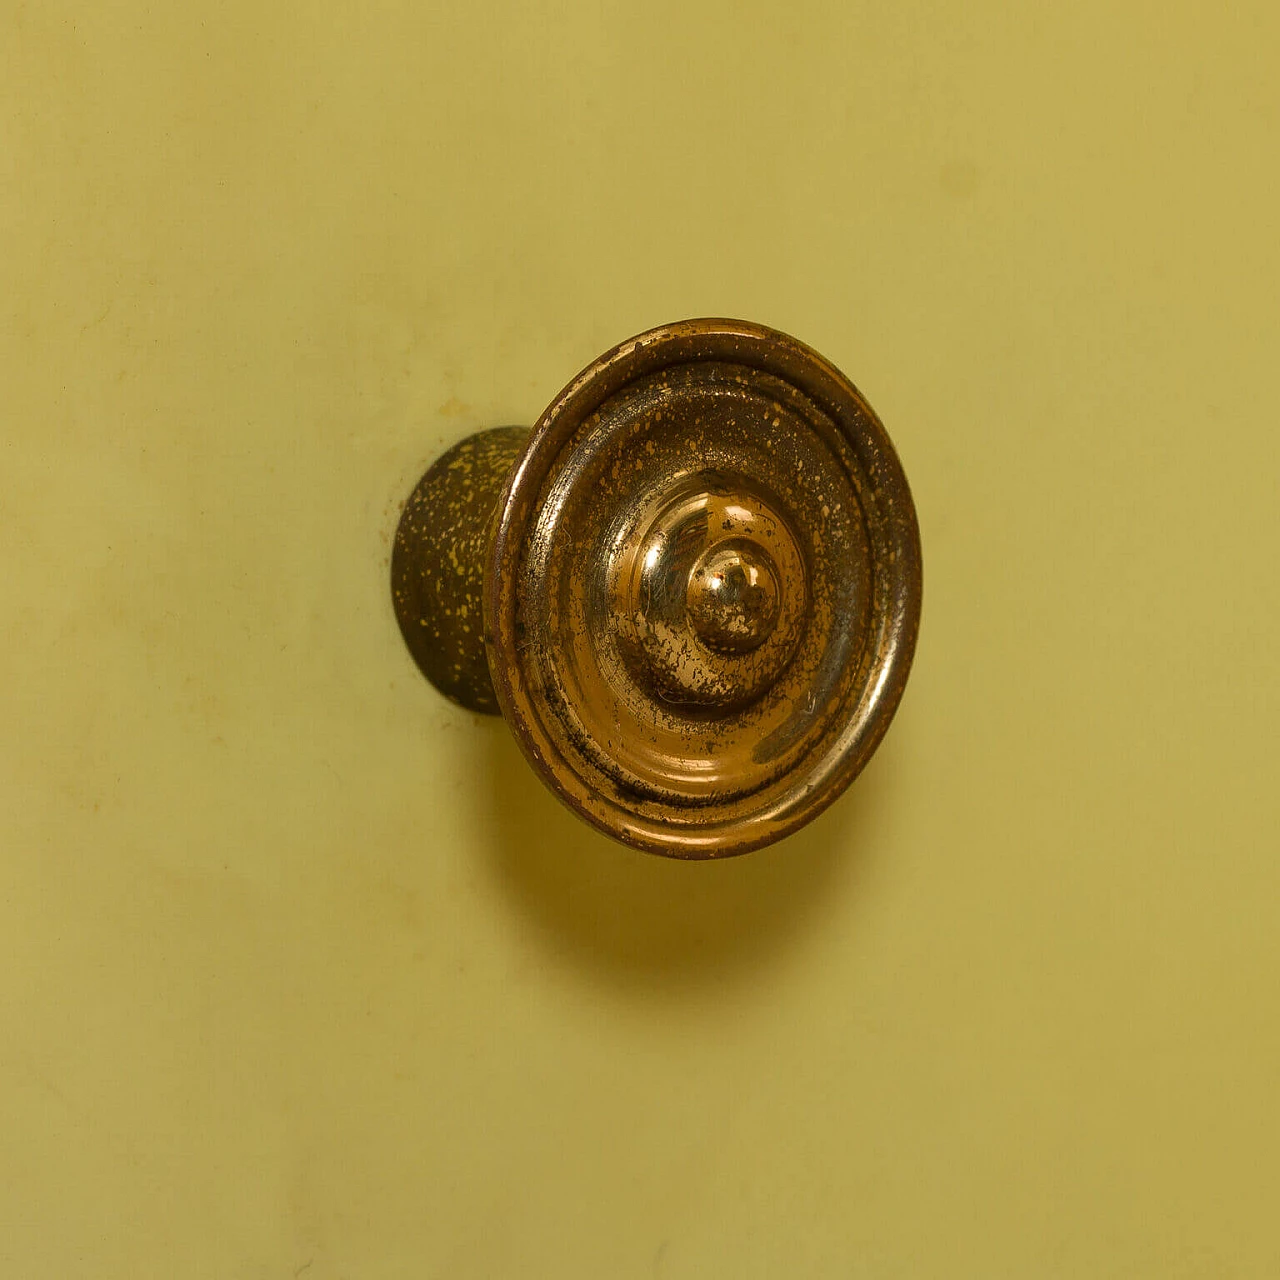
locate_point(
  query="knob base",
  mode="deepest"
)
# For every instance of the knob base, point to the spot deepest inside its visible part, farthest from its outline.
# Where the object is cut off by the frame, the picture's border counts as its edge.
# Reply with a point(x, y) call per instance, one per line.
point(438, 564)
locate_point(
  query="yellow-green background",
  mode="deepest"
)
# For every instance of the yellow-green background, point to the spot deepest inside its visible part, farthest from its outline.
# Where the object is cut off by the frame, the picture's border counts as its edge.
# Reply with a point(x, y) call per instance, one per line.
point(301, 972)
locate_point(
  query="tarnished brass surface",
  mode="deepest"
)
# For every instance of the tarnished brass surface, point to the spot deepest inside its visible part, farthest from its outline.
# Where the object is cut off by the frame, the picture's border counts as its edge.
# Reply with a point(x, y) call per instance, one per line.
point(702, 587)
point(438, 560)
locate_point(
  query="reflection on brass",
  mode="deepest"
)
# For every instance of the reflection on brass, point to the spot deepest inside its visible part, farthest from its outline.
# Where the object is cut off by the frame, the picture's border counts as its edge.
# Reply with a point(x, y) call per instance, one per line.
point(693, 589)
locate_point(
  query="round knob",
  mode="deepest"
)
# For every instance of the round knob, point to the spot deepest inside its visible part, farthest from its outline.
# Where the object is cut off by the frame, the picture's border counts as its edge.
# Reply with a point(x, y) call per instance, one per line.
point(700, 585)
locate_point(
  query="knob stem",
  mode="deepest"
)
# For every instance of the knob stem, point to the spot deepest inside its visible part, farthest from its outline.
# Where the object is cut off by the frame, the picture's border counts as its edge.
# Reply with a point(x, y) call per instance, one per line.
point(438, 562)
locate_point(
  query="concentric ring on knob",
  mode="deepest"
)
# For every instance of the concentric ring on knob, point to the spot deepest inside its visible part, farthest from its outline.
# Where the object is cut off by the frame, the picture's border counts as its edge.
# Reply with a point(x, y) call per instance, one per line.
point(704, 589)
point(669, 603)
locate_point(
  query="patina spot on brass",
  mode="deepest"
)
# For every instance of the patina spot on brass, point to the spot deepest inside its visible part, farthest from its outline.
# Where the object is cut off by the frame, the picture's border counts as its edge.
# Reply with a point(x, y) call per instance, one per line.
point(437, 564)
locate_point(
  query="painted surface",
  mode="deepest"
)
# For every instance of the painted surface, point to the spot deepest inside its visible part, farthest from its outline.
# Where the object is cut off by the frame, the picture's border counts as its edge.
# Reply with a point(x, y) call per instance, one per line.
point(302, 973)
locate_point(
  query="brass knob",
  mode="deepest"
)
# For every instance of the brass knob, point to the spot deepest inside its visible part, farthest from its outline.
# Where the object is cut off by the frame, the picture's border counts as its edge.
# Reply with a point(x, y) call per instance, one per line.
point(693, 589)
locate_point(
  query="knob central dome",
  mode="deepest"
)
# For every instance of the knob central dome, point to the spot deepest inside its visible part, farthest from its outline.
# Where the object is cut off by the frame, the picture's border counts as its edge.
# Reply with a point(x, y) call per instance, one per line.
point(732, 597)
